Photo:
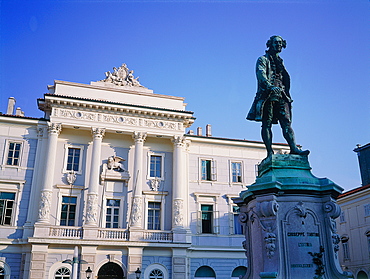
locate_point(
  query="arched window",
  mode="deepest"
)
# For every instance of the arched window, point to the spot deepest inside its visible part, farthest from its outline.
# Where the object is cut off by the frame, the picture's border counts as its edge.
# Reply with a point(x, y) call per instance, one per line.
point(362, 275)
point(156, 274)
point(240, 270)
point(63, 273)
point(205, 272)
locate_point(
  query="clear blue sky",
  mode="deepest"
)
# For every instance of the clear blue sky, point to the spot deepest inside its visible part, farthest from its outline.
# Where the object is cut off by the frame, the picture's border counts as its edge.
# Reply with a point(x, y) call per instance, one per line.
point(205, 51)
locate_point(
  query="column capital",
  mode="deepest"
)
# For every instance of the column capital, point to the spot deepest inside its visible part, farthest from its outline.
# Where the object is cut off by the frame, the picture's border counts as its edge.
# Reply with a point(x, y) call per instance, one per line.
point(179, 141)
point(139, 136)
point(98, 132)
point(54, 128)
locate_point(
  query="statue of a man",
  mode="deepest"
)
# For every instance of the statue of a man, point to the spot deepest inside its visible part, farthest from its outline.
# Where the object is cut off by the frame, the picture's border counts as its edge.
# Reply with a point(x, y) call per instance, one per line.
point(272, 103)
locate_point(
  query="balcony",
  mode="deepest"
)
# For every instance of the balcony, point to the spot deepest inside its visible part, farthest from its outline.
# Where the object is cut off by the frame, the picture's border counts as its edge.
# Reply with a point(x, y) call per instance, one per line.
point(66, 232)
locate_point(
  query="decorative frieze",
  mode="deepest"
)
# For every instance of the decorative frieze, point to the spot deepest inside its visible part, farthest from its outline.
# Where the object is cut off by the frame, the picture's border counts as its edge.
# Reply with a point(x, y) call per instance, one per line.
point(45, 205)
point(92, 209)
point(136, 212)
point(178, 207)
point(117, 119)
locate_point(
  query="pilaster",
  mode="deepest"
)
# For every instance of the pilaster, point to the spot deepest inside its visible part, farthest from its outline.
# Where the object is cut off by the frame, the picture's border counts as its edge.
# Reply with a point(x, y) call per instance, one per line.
point(135, 258)
point(54, 130)
point(92, 194)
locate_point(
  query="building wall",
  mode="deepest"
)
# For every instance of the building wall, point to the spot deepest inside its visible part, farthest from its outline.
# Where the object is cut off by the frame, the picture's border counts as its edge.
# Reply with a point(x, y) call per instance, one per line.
point(354, 229)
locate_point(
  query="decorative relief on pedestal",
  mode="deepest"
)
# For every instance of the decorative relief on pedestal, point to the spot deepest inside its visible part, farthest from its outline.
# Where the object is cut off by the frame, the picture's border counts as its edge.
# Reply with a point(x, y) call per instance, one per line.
point(300, 210)
point(136, 212)
point(45, 205)
point(98, 132)
point(270, 239)
point(317, 260)
point(92, 209)
point(54, 128)
point(333, 211)
point(178, 219)
point(122, 76)
point(267, 208)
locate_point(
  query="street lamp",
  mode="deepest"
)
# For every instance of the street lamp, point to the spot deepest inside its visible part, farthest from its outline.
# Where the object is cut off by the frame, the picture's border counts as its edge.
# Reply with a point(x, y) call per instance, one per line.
point(138, 273)
point(88, 273)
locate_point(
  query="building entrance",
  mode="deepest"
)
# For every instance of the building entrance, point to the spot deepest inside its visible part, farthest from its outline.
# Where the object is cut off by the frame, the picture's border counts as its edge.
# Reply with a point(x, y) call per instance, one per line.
point(111, 271)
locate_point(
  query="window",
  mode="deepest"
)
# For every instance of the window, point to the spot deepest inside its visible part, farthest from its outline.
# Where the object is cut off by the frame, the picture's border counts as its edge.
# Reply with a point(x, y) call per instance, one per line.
point(2, 273)
point(236, 172)
point(368, 241)
point(208, 170)
point(238, 228)
point(156, 274)
point(205, 272)
point(154, 215)
point(207, 218)
point(7, 201)
point(367, 209)
point(63, 273)
point(239, 271)
point(73, 158)
point(342, 217)
point(156, 165)
point(14, 153)
point(344, 240)
point(68, 212)
point(112, 213)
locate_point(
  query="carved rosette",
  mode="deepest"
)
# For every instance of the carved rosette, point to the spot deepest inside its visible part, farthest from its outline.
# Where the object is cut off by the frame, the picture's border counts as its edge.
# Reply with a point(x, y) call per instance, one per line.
point(178, 219)
point(139, 137)
point(45, 205)
point(54, 128)
point(98, 132)
point(136, 213)
point(92, 209)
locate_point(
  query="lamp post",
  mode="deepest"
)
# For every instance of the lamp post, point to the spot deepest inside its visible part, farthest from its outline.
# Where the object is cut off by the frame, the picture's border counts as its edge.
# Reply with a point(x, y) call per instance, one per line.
point(88, 273)
point(138, 273)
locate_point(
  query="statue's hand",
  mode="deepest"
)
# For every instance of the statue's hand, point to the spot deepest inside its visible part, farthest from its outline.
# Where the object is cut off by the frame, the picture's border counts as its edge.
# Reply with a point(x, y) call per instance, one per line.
point(276, 90)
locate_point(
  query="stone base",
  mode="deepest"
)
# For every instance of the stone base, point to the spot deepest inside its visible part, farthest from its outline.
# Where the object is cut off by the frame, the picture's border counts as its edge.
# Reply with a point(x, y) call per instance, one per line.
point(289, 222)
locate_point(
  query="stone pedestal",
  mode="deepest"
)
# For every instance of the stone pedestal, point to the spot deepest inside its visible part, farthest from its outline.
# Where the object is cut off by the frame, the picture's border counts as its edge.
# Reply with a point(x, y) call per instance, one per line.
point(289, 222)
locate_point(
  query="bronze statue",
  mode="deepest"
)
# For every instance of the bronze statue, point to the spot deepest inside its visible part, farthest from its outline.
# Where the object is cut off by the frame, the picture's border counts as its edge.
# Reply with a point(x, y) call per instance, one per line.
point(272, 103)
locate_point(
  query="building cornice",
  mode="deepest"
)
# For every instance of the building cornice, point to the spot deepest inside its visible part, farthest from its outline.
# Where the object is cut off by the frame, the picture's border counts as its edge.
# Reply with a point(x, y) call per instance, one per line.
point(115, 89)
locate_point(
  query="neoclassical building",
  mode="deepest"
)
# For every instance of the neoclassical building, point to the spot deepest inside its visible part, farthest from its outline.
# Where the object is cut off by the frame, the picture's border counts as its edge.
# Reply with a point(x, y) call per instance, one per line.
point(109, 179)
point(354, 222)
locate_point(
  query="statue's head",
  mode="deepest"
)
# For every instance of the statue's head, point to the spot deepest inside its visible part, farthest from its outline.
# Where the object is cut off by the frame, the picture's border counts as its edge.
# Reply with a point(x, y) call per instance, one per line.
point(276, 43)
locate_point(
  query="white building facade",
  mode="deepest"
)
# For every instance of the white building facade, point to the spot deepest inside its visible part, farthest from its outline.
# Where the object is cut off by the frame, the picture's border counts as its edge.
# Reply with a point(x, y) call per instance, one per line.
point(109, 180)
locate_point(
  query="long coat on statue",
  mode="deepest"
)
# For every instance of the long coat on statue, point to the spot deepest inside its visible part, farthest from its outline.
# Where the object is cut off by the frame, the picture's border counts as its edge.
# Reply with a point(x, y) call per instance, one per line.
point(264, 73)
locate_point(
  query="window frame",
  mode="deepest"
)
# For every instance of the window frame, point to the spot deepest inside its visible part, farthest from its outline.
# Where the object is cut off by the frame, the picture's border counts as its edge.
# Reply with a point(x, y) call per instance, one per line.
point(155, 197)
point(12, 209)
point(16, 187)
point(212, 171)
point(158, 154)
point(74, 192)
point(207, 199)
point(120, 215)
point(152, 267)
point(65, 163)
point(241, 172)
point(6, 152)
point(68, 212)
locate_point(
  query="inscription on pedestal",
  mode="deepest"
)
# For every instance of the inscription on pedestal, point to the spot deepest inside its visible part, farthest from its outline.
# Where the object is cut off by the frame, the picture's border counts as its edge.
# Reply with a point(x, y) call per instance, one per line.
point(301, 237)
